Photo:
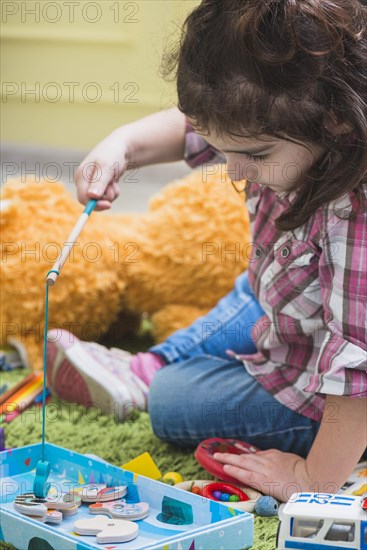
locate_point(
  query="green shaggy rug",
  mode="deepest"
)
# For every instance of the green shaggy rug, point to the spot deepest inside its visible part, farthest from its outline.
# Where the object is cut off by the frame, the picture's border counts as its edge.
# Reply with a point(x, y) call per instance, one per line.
point(84, 431)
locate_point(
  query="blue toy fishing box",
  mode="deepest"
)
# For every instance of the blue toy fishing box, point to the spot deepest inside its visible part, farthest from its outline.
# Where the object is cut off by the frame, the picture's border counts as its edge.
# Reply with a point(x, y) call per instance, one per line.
point(211, 525)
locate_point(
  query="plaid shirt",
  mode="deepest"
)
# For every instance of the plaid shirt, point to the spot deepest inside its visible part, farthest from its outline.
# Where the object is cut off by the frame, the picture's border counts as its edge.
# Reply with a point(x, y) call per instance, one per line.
point(312, 284)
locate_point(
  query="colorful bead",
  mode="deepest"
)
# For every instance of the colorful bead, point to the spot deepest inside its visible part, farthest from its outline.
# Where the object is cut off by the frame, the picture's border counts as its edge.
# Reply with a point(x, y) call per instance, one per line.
point(196, 490)
point(234, 498)
point(216, 491)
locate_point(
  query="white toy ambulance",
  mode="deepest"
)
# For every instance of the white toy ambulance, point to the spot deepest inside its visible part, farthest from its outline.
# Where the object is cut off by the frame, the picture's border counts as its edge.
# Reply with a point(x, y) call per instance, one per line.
point(320, 521)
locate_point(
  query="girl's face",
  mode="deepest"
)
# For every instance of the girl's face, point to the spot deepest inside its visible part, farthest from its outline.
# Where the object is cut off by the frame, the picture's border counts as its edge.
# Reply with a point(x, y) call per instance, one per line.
point(276, 163)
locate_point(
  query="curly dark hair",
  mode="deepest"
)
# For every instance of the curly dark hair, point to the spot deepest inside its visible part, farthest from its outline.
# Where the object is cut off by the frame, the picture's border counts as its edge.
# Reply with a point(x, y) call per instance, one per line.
point(294, 69)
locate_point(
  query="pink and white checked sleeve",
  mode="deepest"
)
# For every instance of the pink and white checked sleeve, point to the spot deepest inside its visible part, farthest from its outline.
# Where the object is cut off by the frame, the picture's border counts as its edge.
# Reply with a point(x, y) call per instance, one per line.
point(341, 367)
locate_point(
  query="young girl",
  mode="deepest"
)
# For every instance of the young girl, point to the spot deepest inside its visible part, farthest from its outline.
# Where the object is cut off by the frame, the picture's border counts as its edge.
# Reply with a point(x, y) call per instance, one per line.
point(278, 90)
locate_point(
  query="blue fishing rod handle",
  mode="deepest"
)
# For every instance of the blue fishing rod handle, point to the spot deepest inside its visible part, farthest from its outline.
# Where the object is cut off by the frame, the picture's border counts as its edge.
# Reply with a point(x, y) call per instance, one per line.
point(90, 206)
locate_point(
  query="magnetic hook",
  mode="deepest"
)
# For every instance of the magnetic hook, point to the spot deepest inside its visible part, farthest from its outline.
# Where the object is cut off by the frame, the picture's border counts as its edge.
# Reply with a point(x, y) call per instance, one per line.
point(41, 486)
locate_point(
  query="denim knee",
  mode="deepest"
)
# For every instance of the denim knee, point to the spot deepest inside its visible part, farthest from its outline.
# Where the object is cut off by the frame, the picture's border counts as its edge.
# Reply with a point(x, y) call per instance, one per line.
point(174, 408)
point(159, 403)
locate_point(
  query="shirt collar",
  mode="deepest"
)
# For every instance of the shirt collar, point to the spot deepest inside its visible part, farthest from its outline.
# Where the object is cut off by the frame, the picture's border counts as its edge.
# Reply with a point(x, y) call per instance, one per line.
point(287, 195)
point(256, 190)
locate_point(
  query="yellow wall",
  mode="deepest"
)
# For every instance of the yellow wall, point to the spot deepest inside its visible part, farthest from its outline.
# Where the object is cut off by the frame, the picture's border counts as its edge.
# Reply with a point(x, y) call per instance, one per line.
point(73, 70)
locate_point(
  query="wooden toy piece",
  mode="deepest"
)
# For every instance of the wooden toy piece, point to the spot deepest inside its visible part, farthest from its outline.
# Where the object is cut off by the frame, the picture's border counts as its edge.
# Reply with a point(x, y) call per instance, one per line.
point(143, 465)
point(29, 505)
point(40, 485)
point(110, 493)
point(47, 509)
point(66, 501)
point(66, 512)
point(132, 512)
point(206, 449)
point(48, 517)
point(106, 529)
point(99, 492)
point(54, 517)
point(88, 493)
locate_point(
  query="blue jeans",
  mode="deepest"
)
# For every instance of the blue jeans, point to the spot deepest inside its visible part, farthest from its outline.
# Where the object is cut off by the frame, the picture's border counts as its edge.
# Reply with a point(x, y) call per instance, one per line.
point(203, 393)
point(227, 326)
point(207, 396)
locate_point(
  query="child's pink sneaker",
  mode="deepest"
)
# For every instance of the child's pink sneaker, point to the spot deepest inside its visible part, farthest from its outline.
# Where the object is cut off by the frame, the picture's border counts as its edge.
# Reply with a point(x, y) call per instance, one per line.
point(90, 374)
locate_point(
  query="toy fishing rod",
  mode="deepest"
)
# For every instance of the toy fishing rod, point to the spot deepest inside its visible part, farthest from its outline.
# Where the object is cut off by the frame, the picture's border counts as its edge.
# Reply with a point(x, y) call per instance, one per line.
point(77, 229)
point(40, 485)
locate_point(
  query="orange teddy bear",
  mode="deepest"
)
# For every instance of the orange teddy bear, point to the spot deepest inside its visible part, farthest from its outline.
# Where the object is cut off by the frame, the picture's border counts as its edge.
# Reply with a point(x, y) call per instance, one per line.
point(173, 262)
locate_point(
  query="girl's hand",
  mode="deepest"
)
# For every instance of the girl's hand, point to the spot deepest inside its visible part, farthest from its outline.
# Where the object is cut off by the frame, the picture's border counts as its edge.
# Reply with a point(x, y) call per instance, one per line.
point(157, 138)
point(271, 472)
point(97, 176)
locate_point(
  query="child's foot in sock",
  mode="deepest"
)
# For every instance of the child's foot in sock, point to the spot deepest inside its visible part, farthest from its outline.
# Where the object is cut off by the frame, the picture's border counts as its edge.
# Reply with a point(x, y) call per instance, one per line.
point(90, 374)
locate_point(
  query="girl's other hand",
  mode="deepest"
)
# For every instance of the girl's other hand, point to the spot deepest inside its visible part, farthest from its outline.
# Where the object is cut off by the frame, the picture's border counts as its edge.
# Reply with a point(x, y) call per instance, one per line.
point(98, 174)
point(271, 472)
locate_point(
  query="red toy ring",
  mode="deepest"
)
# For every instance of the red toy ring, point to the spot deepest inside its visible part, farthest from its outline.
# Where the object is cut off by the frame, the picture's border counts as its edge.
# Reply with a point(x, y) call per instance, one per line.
point(208, 490)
